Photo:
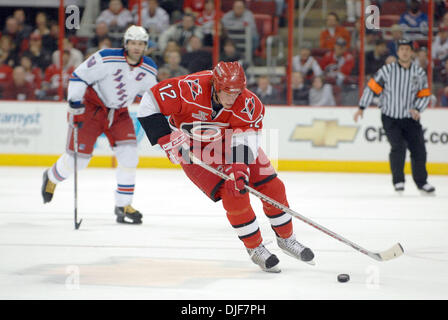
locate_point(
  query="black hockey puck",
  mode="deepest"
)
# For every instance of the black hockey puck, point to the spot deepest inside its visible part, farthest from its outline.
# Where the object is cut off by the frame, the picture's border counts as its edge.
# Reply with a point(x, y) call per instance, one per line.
point(343, 277)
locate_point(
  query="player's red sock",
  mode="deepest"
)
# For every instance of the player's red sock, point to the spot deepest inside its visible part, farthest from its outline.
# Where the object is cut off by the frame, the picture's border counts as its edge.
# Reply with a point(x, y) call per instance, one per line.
point(280, 221)
point(242, 218)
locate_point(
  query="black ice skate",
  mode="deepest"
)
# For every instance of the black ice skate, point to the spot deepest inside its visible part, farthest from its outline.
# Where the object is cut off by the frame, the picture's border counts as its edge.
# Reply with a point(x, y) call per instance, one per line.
point(399, 187)
point(47, 188)
point(427, 189)
point(295, 249)
point(264, 259)
point(128, 215)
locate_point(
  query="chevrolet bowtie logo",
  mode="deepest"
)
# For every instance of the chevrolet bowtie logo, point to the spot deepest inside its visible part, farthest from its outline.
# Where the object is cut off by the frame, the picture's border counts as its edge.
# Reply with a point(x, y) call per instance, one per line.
point(324, 133)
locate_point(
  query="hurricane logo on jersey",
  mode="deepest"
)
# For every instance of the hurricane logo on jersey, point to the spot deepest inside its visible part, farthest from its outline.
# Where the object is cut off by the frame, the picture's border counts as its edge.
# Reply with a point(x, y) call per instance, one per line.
point(204, 131)
point(195, 88)
point(249, 107)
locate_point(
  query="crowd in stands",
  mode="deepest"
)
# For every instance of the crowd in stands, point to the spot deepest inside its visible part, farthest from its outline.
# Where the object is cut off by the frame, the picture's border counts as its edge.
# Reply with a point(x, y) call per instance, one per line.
point(181, 42)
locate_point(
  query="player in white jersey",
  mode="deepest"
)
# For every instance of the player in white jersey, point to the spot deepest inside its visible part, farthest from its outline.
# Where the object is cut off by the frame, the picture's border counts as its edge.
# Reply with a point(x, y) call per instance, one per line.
point(99, 92)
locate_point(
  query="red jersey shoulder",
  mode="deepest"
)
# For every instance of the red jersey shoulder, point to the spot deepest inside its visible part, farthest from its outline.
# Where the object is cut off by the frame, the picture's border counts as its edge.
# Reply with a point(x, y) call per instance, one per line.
point(188, 90)
point(248, 108)
point(196, 87)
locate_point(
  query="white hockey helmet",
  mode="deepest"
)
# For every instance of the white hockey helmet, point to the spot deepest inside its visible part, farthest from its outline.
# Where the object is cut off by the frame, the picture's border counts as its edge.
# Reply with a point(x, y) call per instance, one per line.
point(135, 33)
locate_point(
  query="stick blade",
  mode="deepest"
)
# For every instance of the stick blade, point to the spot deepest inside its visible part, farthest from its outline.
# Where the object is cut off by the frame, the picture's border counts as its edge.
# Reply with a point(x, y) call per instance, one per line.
point(392, 253)
point(78, 224)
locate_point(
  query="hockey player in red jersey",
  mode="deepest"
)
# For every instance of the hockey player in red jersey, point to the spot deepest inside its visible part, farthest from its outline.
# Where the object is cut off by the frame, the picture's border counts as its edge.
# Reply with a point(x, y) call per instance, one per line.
point(220, 121)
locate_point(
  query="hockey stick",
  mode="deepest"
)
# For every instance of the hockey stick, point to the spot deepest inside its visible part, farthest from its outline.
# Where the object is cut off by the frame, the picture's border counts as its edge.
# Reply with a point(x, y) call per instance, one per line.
point(394, 252)
point(75, 156)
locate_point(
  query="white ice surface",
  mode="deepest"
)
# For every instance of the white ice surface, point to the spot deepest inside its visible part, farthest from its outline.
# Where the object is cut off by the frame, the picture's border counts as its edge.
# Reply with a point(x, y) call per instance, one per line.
point(186, 248)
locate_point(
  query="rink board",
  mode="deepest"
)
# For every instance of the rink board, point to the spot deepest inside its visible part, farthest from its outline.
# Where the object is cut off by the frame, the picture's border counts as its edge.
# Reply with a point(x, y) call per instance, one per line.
point(295, 138)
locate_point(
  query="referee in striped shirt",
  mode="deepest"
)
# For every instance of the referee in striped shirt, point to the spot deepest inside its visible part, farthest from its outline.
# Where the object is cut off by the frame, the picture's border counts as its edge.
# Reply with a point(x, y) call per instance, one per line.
point(402, 88)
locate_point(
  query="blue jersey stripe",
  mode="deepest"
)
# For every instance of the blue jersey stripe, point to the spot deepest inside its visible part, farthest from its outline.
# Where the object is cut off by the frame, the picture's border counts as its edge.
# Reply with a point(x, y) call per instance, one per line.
point(75, 77)
point(149, 71)
point(124, 61)
point(111, 52)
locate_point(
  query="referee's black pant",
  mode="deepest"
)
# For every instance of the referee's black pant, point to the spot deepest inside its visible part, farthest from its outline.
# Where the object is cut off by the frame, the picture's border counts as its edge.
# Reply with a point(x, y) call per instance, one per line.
point(402, 134)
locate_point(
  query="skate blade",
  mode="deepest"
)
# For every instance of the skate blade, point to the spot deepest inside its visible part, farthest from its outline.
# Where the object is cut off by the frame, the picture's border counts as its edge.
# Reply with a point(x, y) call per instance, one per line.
point(427, 194)
point(311, 262)
point(274, 269)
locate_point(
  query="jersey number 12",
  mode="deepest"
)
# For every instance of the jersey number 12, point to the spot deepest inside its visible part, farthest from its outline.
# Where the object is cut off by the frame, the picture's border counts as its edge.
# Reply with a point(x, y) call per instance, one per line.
point(171, 94)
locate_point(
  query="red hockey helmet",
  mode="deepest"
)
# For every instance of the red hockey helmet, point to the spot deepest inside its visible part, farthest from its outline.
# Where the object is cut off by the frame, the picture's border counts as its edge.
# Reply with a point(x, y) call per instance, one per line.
point(229, 77)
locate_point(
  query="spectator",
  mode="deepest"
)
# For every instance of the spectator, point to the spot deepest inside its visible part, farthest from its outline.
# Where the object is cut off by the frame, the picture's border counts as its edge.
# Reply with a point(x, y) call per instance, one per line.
point(172, 59)
point(163, 74)
point(116, 17)
point(306, 64)
point(104, 44)
point(12, 30)
point(267, 94)
point(376, 58)
point(33, 75)
point(19, 88)
point(442, 75)
point(444, 97)
point(101, 32)
point(76, 56)
point(300, 90)
point(229, 53)
point(196, 58)
point(223, 36)
point(41, 24)
point(159, 56)
point(421, 58)
point(194, 7)
point(174, 9)
point(51, 77)
point(280, 7)
point(440, 44)
point(5, 76)
point(154, 18)
point(24, 28)
point(239, 18)
point(332, 32)
point(444, 19)
point(50, 40)
point(180, 32)
point(7, 55)
point(372, 36)
point(206, 21)
point(40, 56)
point(338, 64)
point(397, 34)
point(321, 94)
point(415, 22)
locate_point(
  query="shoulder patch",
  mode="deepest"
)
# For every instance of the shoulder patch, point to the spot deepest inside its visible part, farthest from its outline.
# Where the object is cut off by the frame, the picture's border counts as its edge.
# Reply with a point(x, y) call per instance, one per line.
point(249, 107)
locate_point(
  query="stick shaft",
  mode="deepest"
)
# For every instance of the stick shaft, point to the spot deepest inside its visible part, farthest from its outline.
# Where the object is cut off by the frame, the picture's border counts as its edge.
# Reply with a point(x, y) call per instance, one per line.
point(290, 211)
point(75, 166)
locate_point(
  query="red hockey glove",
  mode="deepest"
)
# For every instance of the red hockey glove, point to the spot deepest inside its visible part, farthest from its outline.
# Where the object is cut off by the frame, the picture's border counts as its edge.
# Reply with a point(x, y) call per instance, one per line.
point(172, 145)
point(239, 172)
point(76, 114)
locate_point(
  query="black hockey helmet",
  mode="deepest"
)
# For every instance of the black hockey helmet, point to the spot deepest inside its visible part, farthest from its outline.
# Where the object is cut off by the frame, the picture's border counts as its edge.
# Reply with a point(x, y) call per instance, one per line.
point(405, 42)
